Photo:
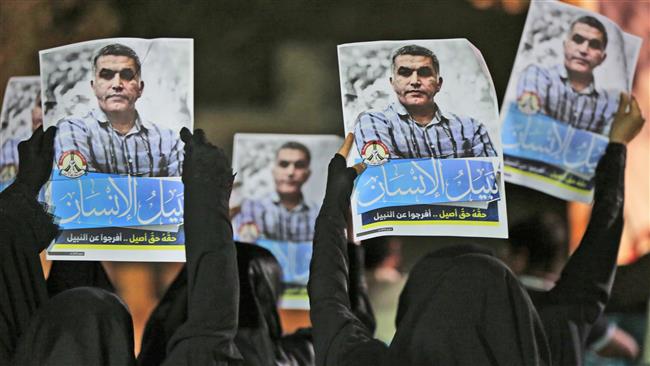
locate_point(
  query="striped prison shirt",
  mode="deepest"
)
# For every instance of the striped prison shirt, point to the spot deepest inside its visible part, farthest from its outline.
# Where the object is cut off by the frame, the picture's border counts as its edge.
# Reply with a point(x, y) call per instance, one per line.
point(590, 109)
point(274, 222)
point(146, 150)
point(446, 136)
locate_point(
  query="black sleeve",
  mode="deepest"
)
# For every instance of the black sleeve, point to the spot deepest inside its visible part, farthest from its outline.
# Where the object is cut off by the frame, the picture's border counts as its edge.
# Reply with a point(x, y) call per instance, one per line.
point(25, 230)
point(359, 300)
point(586, 280)
point(207, 337)
point(340, 338)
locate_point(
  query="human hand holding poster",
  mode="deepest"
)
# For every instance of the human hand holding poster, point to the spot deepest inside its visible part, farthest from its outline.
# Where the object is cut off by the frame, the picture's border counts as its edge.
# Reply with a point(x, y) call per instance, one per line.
point(119, 105)
point(425, 120)
point(562, 96)
point(21, 115)
point(276, 198)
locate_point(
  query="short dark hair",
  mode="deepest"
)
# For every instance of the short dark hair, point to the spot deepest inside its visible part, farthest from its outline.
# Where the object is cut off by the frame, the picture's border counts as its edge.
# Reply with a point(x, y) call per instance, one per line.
point(294, 145)
point(415, 50)
point(594, 23)
point(117, 49)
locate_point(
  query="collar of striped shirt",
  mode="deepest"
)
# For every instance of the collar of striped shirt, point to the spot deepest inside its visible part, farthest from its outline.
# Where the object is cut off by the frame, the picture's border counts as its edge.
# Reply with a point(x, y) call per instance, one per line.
point(438, 116)
point(564, 76)
point(302, 206)
point(101, 117)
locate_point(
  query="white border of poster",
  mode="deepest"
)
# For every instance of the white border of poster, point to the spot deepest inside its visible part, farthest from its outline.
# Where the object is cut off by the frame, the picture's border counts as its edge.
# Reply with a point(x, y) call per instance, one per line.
point(111, 203)
point(467, 93)
point(553, 139)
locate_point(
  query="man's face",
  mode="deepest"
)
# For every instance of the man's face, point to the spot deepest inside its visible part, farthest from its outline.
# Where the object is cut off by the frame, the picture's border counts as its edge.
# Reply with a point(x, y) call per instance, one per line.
point(117, 86)
point(414, 80)
point(291, 171)
point(584, 49)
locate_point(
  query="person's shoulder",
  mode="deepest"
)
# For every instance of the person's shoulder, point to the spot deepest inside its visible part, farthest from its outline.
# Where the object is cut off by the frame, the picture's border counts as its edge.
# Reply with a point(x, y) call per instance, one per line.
point(612, 95)
point(76, 121)
point(256, 203)
point(536, 68)
point(541, 72)
point(374, 115)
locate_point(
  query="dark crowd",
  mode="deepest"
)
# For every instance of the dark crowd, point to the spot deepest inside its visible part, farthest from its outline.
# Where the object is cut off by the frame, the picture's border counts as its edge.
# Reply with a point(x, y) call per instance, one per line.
point(460, 305)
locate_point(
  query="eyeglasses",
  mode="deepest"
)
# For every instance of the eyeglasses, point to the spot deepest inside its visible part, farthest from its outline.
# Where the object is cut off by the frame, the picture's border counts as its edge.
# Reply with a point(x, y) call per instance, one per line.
point(423, 71)
point(125, 74)
point(595, 44)
point(300, 164)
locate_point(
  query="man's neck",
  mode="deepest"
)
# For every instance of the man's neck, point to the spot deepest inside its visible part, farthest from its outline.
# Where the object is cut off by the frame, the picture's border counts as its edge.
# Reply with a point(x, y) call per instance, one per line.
point(122, 122)
point(290, 201)
point(579, 82)
point(422, 115)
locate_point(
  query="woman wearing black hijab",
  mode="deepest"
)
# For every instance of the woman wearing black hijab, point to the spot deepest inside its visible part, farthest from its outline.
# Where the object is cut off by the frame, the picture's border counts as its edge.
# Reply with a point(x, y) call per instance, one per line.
point(468, 309)
point(91, 326)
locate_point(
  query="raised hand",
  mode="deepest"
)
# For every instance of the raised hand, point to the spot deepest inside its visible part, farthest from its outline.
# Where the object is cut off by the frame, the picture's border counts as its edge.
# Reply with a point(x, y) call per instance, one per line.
point(36, 155)
point(340, 178)
point(628, 120)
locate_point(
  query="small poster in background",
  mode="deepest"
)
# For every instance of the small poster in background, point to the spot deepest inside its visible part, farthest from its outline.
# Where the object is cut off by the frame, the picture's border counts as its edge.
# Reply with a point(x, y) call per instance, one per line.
point(562, 96)
point(119, 105)
point(21, 115)
point(425, 119)
point(277, 194)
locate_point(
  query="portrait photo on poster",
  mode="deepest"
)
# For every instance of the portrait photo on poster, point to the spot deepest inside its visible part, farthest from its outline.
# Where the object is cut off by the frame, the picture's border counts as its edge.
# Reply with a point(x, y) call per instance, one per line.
point(119, 104)
point(277, 194)
point(563, 92)
point(276, 174)
point(21, 115)
point(425, 119)
point(418, 84)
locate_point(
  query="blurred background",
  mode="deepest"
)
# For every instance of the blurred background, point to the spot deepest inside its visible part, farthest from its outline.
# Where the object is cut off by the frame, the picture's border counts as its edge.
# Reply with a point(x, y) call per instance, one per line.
point(271, 67)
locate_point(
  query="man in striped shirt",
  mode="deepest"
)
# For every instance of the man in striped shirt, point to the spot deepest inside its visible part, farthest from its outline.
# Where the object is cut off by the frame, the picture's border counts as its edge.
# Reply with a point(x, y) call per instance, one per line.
point(567, 92)
point(114, 139)
point(416, 127)
point(284, 215)
point(9, 149)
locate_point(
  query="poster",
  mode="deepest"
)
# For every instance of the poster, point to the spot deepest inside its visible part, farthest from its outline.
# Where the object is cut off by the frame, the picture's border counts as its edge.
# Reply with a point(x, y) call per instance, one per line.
point(425, 119)
point(119, 105)
point(563, 93)
point(21, 115)
point(277, 194)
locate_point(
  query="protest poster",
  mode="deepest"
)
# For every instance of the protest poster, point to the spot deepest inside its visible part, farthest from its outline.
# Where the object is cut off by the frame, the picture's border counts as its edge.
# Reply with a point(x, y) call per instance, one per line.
point(425, 118)
point(277, 194)
point(119, 105)
point(563, 93)
point(21, 115)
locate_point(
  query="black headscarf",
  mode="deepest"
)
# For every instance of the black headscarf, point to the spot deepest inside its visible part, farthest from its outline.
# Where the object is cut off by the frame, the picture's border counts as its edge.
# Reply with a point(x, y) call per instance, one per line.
point(81, 326)
point(466, 309)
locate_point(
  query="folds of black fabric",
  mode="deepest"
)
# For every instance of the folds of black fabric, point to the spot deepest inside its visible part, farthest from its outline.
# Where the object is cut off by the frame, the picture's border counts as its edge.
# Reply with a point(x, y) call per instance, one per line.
point(25, 231)
point(81, 326)
point(569, 310)
point(259, 337)
point(465, 309)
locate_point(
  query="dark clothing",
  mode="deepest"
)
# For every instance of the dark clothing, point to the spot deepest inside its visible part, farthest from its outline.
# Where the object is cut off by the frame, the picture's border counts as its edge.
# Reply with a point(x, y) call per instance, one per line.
point(73, 328)
point(454, 310)
point(467, 309)
point(259, 337)
point(66, 275)
point(570, 308)
point(630, 291)
point(38, 330)
point(25, 231)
